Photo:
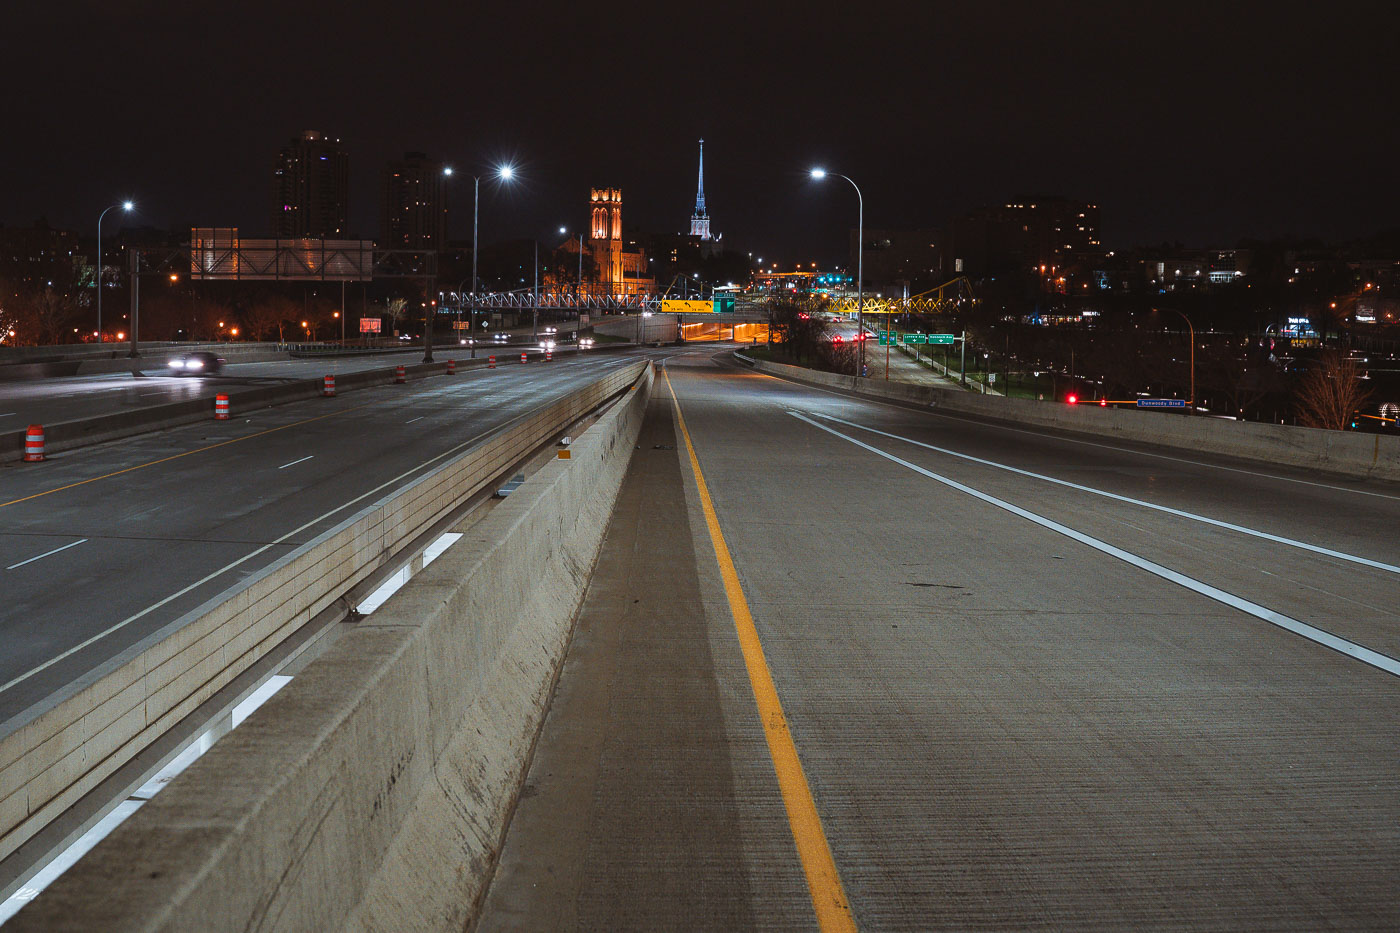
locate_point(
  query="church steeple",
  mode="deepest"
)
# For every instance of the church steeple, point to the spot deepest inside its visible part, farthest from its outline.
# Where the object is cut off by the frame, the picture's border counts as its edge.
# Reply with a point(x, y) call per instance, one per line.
point(700, 221)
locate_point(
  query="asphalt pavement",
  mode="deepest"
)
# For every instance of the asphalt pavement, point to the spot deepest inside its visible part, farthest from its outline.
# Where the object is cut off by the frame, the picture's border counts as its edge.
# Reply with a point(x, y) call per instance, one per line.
point(1029, 682)
point(103, 545)
point(48, 401)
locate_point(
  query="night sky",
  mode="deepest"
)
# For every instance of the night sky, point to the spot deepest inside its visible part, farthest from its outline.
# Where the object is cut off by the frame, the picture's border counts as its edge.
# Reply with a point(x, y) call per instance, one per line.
point(1202, 123)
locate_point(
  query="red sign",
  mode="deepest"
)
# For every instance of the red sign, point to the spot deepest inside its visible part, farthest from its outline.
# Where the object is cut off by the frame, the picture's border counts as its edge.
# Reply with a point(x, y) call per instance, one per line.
point(369, 325)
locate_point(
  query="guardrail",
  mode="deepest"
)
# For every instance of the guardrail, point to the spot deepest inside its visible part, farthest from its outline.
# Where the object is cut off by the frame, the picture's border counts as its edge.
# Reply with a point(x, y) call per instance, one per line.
point(1344, 452)
point(54, 753)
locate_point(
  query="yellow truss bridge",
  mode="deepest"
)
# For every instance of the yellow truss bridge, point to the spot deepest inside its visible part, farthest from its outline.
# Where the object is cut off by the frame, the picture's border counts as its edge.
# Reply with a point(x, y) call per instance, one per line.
point(945, 298)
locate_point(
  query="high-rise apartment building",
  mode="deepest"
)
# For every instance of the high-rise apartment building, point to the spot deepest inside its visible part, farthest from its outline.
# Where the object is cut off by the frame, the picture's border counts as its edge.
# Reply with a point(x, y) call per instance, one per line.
point(310, 188)
point(414, 212)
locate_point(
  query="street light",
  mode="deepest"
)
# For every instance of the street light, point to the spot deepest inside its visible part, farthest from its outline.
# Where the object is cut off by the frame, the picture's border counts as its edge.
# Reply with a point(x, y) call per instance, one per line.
point(505, 173)
point(1192, 331)
point(125, 206)
point(819, 174)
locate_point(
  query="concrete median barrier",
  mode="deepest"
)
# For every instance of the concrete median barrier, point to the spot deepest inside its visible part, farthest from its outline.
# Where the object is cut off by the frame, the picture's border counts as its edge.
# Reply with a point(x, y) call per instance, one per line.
point(1347, 453)
point(56, 752)
point(372, 793)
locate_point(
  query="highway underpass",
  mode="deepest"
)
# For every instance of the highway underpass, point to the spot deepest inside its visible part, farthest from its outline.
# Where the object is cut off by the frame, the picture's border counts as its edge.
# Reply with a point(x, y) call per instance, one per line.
point(846, 664)
point(1016, 703)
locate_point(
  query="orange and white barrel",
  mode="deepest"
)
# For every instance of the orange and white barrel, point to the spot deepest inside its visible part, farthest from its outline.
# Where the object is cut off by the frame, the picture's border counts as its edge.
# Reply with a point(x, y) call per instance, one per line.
point(491, 362)
point(328, 386)
point(400, 375)
point(522, 357)
point(34, 444)
point(221, 408)
point(451, 367)
point(548, 355)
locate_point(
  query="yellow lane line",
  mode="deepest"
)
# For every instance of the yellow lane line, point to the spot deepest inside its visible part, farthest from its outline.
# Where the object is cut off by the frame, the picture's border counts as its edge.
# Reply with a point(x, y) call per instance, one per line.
point(142, 466)
point(823, 881)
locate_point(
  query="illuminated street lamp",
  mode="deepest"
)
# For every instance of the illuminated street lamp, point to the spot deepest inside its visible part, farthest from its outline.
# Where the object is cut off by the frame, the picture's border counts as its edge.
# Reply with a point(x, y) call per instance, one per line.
point(125, 206)
point(1192, 331)
point(819, 174)
point(505, 173)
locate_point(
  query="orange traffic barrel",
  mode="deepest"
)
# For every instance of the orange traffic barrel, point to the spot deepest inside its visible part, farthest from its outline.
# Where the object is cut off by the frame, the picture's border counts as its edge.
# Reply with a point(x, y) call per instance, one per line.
point(221, 408)
point(548, 355)
point(451, 367)
point(522, 357)
point(491, 362)
point(34, 444)
point(400, 375)
point(328, 386)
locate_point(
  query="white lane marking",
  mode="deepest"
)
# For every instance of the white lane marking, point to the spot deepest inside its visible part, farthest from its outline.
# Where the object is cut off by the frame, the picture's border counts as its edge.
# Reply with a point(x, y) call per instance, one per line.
point(419, 418)
point(115, 627)
point(1326, 639)
point(7, 414)
point(295, 462)
point(972, 419)
point(1192, 516)
point(46, 554)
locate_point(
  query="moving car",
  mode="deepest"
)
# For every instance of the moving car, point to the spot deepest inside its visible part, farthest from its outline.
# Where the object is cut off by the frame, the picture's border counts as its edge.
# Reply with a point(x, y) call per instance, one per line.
point(197, 362)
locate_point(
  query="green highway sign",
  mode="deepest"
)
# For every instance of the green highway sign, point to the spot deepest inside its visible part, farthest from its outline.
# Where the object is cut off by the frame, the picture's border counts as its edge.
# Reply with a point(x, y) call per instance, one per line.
point(942, 338)
point(915, 338)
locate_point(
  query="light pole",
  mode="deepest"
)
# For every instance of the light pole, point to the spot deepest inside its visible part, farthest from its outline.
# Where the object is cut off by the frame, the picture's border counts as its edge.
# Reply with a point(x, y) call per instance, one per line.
point(820, 173)
point(1192, 332)
point(505, 172)
point(431, 306)
point(126, 206)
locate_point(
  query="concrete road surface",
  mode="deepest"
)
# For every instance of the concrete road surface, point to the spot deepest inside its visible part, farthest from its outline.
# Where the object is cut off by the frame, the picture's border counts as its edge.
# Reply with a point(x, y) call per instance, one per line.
point(962, 676)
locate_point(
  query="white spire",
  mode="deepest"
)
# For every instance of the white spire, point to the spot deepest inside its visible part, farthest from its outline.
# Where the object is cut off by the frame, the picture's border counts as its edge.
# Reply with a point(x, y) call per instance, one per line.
point(700, 221)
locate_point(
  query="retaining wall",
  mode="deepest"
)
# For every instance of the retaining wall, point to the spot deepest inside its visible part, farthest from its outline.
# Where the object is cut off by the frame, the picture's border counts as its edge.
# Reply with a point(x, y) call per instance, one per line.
point(1346, 452)
point(57, 751)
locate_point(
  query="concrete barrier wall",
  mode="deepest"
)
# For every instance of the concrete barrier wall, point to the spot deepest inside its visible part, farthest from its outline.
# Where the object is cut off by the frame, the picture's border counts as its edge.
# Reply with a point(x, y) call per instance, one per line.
point(1346, 452)
point(57, 751)
point(372, 793)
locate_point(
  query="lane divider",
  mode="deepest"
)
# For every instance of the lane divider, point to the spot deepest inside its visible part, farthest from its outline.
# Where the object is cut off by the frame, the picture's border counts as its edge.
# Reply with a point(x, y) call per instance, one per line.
point(823, 881)
point(46, 554)
point(1192, 516)
point(1319, 636)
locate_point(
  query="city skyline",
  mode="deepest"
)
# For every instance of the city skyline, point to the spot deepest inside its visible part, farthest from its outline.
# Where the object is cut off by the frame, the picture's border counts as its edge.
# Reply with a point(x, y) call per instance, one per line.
point(1204, 126)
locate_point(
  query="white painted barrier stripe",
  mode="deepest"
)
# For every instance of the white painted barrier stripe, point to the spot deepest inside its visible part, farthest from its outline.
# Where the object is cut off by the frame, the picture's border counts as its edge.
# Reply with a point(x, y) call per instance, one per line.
point(1326, 639)
point(46, 554)
point(1192, 516)
point(295, 462)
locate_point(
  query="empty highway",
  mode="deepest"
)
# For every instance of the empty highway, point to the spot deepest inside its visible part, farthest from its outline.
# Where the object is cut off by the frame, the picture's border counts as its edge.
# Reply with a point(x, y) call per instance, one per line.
point(845, 664)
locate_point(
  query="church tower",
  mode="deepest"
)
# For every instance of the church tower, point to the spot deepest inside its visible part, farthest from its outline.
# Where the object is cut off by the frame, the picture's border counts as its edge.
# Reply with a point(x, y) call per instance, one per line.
point(700, 221)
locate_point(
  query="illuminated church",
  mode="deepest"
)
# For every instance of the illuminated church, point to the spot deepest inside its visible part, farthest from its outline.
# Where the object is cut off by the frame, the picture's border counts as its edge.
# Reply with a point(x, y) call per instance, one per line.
point(619, 264)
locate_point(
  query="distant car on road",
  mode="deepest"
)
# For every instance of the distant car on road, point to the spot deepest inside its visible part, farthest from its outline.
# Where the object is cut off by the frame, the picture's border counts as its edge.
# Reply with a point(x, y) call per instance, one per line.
point(197, 363)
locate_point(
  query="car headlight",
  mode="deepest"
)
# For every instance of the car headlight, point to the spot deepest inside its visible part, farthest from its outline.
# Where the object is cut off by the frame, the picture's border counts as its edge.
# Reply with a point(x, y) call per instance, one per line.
point(195, 364)
point(177, 364)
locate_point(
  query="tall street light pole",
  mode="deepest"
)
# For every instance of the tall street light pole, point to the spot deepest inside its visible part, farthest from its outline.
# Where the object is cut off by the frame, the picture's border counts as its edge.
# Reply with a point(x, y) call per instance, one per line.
point(1192, 331)
point(431, 306)
point(504, 173)
point(126, 206)
point(820, 173)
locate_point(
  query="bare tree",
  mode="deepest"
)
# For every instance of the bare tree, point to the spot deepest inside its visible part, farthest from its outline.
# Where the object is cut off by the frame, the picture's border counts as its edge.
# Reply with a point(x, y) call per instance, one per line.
point(1329, 392)
point(394, 309)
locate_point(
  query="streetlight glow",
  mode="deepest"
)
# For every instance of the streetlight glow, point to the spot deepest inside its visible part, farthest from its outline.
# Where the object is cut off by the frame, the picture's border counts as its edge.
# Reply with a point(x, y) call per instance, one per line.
point(818, 173)
point(127, 205)
point(506, 171)
point(447, 170)
point(563, 230)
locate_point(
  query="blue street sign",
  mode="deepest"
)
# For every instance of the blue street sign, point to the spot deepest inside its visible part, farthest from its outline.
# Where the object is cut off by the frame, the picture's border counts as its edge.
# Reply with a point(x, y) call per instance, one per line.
point(1161, 403)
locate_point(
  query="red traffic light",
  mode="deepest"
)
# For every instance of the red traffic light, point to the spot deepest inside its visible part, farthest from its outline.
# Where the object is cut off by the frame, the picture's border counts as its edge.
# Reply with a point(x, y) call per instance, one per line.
point(1072, 399)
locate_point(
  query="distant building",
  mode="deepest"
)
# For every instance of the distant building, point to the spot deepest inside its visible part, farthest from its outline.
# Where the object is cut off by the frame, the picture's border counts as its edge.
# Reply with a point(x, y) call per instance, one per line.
point(894, 258)
point(619, 263)
point(414, 214)
point(700, 220)
point(41, 256)
point(310, 188)
point(1046, 235)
